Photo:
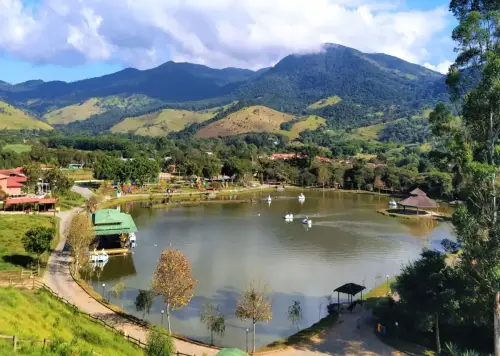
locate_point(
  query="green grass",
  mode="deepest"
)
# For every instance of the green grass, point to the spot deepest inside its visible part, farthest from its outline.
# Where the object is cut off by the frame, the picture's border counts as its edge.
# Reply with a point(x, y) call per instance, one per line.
point(12, 229)
point(368, 132)
point(80, 174)
point(39, 315)
point(303, 336)
point(17, 147)
point(161, 122)
point(332, 100)
point(12, 118)
point(312, 122)
point(72, 113)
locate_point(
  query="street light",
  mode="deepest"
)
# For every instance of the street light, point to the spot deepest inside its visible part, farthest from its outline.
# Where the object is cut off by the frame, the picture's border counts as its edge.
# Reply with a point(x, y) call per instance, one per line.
point(247, 340)
point(387, 278)
point(103, 285)
point(162, 312)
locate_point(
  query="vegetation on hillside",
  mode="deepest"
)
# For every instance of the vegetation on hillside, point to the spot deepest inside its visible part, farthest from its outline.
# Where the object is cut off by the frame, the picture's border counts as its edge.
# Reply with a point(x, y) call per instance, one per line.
point(12, 118)
point(38, 316)
point(332, 100)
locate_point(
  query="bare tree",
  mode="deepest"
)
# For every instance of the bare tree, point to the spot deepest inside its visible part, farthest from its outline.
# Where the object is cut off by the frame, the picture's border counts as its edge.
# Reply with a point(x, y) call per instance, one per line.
point(254, 305)
point(214, 320)
point(79, 234)
point(92, 203)
point(173, 280)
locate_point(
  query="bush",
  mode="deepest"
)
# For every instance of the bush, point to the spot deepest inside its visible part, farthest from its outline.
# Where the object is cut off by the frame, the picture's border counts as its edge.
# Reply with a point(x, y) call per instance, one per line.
point(159, 343)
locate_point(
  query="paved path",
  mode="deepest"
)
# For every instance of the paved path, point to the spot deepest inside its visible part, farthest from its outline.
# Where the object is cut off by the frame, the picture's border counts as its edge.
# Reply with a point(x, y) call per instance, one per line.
point(58, 278)
point(84, 192)
point(345, 338)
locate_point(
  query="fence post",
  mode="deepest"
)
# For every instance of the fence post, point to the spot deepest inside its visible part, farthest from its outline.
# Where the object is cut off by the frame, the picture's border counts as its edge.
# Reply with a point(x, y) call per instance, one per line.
point(14, 343)
point(33, 283)
point(44, 343)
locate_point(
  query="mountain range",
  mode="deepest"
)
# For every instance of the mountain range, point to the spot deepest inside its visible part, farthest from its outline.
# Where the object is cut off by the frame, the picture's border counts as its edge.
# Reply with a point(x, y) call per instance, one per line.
point(345, 87)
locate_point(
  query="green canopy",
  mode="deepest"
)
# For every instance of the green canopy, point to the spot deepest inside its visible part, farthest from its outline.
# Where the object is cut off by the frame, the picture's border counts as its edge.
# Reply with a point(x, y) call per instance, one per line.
point(231, 352)
point(112, 222)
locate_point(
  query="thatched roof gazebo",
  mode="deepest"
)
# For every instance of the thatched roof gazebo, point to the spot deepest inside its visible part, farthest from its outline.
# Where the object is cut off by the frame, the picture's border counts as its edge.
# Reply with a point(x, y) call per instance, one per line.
point(351, 289)
point(419, 200)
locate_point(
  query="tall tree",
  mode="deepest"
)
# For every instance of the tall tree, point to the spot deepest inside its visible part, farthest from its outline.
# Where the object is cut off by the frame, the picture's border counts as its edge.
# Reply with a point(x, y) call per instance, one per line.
point(80, 235)
point(173, 280)
point(33, 172)
point(254, 305)
point(213, 319)
point(37, 241)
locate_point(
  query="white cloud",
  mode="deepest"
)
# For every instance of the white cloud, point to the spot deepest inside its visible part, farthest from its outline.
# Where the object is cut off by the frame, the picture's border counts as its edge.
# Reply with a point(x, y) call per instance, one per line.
point(219, 33)
point(441, 67)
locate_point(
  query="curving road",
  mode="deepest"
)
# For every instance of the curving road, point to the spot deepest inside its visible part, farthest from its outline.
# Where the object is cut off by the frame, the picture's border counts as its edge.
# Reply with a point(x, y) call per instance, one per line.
point(345, 338)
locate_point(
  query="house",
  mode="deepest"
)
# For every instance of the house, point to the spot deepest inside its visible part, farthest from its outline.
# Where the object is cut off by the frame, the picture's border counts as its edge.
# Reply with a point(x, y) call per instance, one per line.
point(11, 181)
point(75, 166)
point(30, 203)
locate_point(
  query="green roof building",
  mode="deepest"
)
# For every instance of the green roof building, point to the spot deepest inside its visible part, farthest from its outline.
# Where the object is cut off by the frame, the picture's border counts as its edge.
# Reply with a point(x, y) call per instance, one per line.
point(112, 222)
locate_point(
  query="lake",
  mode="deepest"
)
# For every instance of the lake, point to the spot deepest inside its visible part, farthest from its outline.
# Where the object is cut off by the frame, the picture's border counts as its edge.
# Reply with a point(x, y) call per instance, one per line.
point(230, 245)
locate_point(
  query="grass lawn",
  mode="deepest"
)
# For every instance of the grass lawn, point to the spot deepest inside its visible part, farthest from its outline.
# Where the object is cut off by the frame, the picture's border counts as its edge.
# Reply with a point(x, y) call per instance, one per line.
point(332, 100)
point(17, 147)
point(70, 200)
point(80, 174)
point(39, 315)
point(12, 229)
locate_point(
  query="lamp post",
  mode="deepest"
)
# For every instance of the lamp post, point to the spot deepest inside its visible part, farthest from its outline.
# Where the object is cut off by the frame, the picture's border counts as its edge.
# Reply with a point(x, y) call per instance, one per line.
point(162, 312)
point(247, 339)
point(387, 279)
point(103, 285)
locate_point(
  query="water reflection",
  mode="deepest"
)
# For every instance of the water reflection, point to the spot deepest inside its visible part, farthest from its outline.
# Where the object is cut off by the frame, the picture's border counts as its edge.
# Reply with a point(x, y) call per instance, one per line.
point(230, 245)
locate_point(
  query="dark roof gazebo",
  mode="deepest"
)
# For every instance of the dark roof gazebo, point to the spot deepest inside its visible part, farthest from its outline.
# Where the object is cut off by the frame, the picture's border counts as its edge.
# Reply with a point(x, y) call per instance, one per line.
point(351, 289)
point(419, 200)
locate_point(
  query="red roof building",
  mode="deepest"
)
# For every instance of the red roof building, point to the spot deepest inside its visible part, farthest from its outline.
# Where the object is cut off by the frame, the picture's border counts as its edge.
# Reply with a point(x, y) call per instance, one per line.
point(31, 203)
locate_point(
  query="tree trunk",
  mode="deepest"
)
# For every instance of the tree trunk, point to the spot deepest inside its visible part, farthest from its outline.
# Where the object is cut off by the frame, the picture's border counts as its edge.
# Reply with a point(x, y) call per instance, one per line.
point(168, 319)
point(253, 337)
point(496, 315)
point(211, 337)
point(438, 341)
point(492, 162)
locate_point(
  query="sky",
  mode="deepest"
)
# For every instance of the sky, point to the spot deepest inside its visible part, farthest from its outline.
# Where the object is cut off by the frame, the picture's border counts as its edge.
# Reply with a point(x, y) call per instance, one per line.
point(76, 39)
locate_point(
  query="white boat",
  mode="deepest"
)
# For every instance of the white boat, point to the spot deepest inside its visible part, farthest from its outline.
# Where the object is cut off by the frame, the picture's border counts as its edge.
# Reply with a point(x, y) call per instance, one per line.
point(393, 204)
point(302, 197)
point(306, 221)
point(289, 217)
point(99, 256)
point(132, 239)
point(269, 198)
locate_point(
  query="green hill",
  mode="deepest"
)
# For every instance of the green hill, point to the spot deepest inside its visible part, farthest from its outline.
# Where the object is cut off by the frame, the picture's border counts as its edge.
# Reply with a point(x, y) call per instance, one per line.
point(161, 123)
point(74, 112)
point(38, 315)
point(12, 118)
point(323, 103)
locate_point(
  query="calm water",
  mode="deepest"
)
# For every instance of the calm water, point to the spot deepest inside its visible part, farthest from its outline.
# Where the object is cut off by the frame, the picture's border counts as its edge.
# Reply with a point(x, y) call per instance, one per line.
point(230, 245)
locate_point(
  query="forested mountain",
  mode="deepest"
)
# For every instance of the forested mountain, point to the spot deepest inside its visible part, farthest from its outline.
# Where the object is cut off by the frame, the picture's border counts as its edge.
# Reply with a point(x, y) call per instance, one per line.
point(368, 88)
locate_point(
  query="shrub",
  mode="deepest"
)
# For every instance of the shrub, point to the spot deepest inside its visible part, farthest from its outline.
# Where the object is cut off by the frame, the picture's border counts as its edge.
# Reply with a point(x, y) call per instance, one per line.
point(159, 343)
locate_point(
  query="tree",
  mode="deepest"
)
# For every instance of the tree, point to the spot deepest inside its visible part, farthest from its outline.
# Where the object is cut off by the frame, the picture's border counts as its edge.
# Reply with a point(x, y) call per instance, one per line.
point(214, 320)
point(80, 235)
point(37, 241)
point(173, 280)
point(435, 296)
point(58, 181)
point(159, 343)
point(323, 175)
point(33, 173)
point(92, 203)
point(117, 290)
point(144, 301)
point(254, 305)
point(295, 313)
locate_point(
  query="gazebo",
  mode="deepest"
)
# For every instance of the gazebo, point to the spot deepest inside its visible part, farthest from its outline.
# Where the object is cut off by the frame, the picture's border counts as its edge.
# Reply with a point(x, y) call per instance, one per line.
point(419, 200)
point(351, 289)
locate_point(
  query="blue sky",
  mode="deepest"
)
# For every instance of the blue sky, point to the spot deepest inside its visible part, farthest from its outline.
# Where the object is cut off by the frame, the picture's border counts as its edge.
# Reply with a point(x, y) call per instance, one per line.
point(71, 39)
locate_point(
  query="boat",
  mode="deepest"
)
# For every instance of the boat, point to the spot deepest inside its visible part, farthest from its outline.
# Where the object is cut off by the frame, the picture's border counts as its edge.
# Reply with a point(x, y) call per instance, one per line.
point(306, 221)
point(302, 197)
point(288, 217)
point(269, 198)
point(99, 256)
point(132, 239)
point(393, 204)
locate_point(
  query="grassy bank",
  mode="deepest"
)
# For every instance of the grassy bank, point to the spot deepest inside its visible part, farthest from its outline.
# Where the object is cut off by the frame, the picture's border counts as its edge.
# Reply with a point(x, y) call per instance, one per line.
point(303, 336)
point(12, 229)
point(38, 315)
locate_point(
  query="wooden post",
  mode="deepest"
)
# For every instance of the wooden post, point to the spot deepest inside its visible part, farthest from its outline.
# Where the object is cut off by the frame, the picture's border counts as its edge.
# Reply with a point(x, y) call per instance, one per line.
point(14, 343)
point(338, 301)
point(44, 343)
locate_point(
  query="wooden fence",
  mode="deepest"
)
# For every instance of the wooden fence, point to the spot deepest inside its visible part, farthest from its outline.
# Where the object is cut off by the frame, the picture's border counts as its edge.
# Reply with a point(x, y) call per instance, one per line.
point(35, 284)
